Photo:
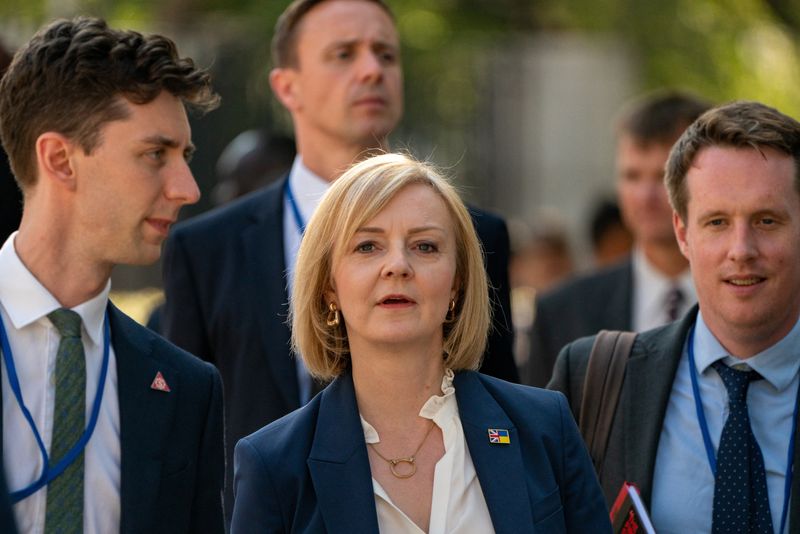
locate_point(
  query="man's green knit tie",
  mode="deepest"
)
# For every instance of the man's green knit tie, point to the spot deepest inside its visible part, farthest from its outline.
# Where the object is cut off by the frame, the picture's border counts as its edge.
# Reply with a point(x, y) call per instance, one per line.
point(64, 512)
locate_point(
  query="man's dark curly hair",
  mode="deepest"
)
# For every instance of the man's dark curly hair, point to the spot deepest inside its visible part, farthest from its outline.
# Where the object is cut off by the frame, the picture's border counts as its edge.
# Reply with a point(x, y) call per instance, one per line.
point(69, 79)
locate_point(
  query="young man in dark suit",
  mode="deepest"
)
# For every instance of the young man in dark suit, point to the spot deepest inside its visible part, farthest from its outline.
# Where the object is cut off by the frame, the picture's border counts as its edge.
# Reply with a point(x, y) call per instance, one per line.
point(653, 285)
point(706, 423)
point(106, 426)
point(228, 274)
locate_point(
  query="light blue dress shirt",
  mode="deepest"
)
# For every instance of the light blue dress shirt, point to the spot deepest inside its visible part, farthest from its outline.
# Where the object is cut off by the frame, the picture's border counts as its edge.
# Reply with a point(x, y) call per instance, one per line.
point(683, 484)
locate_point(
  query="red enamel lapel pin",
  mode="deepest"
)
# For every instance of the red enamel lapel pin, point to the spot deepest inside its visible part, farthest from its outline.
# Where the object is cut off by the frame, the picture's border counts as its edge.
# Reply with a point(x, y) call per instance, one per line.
point(159, 384)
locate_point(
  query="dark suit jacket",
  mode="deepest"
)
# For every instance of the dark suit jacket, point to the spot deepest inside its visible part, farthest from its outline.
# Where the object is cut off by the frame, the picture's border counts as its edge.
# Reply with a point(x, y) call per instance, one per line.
point(580, 307)
point(636, 429)
point(309, 471)
point(172, 449)
point(226, 302)
point(7, 523)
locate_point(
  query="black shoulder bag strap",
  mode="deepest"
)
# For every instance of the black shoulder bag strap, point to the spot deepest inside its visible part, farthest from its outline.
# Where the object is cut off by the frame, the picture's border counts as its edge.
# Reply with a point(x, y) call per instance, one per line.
point(601, 389)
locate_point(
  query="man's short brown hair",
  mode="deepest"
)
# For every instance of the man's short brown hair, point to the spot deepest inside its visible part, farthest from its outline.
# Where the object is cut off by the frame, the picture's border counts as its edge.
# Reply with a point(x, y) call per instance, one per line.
point(69, 79)
point(735, 125)
point(284, 40)
point(659, 117)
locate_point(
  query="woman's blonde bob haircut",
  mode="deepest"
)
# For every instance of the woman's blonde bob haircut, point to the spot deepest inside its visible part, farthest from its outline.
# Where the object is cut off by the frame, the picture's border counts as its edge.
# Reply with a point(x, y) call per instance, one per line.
point(352, 201)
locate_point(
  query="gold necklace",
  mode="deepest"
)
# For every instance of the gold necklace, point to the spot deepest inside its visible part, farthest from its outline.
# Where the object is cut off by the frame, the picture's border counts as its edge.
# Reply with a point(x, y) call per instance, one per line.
point(410, 460)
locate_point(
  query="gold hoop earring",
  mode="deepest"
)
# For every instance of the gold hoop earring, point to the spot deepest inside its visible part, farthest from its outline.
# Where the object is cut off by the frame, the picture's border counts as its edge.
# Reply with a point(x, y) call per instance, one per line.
point(333, 315)
point(451, 312)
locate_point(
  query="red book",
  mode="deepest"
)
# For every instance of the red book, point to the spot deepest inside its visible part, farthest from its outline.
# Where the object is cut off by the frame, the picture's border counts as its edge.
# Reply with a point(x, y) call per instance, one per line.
point(628, 515)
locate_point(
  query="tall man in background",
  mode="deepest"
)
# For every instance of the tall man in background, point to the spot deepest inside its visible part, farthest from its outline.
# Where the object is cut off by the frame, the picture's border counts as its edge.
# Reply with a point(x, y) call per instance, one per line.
point(106, 427)
point(228, 273)
point(653, 286)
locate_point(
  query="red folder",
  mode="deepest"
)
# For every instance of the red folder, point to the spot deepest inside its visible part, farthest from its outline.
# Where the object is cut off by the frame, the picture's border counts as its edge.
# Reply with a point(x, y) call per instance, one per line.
point(629, 515)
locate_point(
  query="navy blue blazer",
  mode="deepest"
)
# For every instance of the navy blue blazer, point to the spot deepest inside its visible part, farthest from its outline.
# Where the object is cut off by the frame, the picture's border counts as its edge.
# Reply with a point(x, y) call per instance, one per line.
point(172, 449)
point(7, 523)
point(224, 279)
point(309, 471)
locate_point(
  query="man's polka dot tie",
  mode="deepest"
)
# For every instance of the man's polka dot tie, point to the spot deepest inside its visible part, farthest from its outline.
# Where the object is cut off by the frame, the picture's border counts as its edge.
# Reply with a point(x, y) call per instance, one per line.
point(741, 502)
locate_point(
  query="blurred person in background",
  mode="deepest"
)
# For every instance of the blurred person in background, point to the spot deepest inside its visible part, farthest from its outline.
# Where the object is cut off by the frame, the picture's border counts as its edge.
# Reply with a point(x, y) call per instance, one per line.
point(391, 303)
point(540, 259)
point(611, 240)
point(228, 273)
point(651, 287)
point(252, 160)
point(10, 194)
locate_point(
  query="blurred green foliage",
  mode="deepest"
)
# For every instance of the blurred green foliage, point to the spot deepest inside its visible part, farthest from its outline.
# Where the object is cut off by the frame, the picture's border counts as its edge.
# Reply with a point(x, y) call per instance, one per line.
point(721, 49)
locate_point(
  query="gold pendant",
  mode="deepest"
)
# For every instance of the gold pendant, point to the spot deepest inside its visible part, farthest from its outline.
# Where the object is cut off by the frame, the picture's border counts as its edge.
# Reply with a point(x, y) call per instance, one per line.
point(410, 461)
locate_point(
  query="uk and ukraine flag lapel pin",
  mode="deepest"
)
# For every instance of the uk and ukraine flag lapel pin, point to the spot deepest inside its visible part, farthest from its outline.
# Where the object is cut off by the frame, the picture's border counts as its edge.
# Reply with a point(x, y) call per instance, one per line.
point(499, 436)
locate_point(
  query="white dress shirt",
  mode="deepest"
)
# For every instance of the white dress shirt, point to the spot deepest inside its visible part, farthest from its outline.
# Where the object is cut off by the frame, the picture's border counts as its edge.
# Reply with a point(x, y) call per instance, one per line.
point(307, 190)
point(24, 305)
point(683, 485)
point(650, 291)
point(458, 505)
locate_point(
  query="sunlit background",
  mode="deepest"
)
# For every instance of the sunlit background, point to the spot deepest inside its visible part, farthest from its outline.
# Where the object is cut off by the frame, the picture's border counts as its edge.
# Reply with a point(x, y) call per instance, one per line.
point(516, 98)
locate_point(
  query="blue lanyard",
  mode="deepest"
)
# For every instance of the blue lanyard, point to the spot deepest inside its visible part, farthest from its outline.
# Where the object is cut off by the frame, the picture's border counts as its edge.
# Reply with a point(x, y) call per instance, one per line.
point(298, 217)
point(48, 473)
point(712, 460)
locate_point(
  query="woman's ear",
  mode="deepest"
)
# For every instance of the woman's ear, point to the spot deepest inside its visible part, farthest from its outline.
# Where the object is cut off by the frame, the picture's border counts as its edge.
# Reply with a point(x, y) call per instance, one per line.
point(456, 288)
point(330, 295)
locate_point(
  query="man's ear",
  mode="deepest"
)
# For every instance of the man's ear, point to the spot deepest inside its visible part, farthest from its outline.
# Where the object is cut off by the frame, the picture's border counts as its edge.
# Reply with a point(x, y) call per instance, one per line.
point(283, 81)
point(54, 159)
point(680, 233)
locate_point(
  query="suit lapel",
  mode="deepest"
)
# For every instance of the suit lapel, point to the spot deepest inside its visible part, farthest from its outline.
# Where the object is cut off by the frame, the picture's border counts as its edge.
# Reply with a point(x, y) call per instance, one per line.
point(146, 416)
point(265, 267)
point(499, 467)
point(339, 464)
point(650, 374)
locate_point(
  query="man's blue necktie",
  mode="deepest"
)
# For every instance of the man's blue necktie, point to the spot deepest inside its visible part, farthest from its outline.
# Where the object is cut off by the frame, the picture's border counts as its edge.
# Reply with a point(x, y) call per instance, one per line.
point(741, 502)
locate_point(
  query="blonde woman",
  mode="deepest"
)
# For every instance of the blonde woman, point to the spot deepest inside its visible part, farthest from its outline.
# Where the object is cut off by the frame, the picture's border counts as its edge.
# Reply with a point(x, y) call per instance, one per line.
point(391, 303)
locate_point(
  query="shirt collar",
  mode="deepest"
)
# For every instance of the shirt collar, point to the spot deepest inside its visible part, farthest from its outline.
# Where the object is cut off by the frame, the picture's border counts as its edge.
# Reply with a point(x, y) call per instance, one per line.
point(438, 408)
point(307, 188)
point(26, 300)
point(778, 364)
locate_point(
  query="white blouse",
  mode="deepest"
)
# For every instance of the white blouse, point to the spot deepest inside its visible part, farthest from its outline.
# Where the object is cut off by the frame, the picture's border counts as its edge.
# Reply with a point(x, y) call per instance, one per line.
point(458, 505)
